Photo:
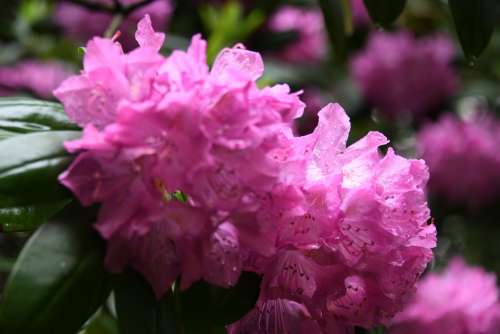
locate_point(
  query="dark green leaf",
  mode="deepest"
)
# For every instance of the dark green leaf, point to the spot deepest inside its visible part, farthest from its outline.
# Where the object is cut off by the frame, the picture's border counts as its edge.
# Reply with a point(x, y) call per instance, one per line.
point(139, 312)
point(275, 40)
point(474, 21)
point(232, 304)
point(29, 115)
point(334, 15)
point(197, 309)
point(58, 281)
point(205, 306)
point(102, 323)
point(27, 218)
point(385, 12)
point(30, 164)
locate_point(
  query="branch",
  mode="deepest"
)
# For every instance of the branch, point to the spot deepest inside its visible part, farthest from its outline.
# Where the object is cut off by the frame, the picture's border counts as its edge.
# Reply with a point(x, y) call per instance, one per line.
point(131, 8)
point(117, 8)
point(93, 6)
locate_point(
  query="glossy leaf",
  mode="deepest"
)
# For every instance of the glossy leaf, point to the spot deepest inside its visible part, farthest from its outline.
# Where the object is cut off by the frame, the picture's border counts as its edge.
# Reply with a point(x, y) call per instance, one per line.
point(29, 115)
point(27, 218)
point(102, 323)
point(58, 280)
point(334, 15)
point(209, 307)
point(138, 310)
point(30, 164)
point(474, 21)
point(232, 304)
point(386, 11)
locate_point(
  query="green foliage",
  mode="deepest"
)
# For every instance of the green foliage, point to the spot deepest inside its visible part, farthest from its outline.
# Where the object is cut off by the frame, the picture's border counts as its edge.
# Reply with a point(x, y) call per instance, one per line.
point(139, 311)
point(385, 12)
point(206, 308)
point(29, 217)
point(227, 25)
point(474, 22)
point(336, 14)
point(30, 164)
point(23, 115)
point(58, 280)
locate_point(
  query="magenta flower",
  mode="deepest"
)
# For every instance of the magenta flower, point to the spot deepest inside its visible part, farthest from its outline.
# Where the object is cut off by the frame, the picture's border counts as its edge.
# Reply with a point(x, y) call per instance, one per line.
point(339, 233)
point(405, 76)
point(206, 132)
point(308, 23)
point(354, 238)
point(36, 77)
point(82, 24)
point(359, 13)
point(462, 300)
point(463, 158)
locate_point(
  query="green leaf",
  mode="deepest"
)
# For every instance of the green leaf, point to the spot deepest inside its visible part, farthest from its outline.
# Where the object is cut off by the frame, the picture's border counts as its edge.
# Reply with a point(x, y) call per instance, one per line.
point(58, 281)
point(138, 310)
point(29, 115)
point(28, 218)
point(197, 309)
point(227, 25)
point(474, 22)
point(385, 12)
point(30, 164)
point(334, 15)
point(206, 307)
point(232, 304)
point(102, 323)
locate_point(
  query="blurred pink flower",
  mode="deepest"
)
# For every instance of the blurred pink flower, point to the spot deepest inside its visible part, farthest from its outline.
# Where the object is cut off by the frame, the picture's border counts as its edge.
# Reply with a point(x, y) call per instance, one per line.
point(82, 23)
point(308, 23)
point(360, 15)
point(404, 76)
point(463, 158)
point(461, 300)
point(338, 232)
point(33, 76)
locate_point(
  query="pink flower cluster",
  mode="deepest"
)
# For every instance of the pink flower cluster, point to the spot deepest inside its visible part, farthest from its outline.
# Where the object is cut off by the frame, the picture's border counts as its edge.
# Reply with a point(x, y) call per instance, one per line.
point(404, 76)
point(308, 23)
point(81, 23)
point(360, 15)
point(339, 233)
point(36, 77)
point(461, 300)
point(463, 158)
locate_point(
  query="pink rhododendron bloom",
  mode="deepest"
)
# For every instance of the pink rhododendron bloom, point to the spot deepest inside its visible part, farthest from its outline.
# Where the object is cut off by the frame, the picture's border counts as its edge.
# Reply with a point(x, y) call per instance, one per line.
point(36, 77)
point(404, 76)
point(308, 23)
point(339, 233)
point(460, 300)
point(155, 125)
point(463, 158)
point(351, 248)
point(359, 13)
point(82, 23)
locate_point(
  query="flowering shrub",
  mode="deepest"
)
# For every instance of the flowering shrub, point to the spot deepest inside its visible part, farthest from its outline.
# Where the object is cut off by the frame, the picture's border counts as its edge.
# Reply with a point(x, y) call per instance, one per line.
point(178, 185)
point(40, 78)
point(75, 19)
point(308, 23)
point(339, 232)
point(404, 76)
point(457, 149)
point(442, 305)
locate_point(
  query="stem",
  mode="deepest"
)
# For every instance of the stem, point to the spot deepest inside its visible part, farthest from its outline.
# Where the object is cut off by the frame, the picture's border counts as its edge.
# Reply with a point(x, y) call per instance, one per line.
point(92, 6)
point(117, 7)
point(113, 25)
